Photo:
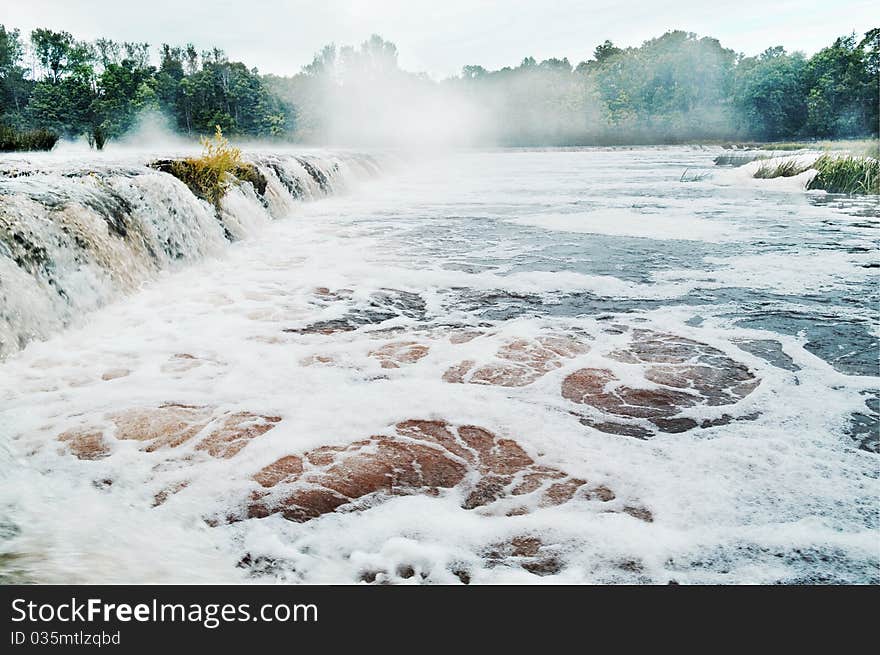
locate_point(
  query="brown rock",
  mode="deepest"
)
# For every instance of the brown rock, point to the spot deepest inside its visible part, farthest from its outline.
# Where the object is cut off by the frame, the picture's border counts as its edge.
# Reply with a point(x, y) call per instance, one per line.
point(438, 432)
point(393, 354)
point(519, 362)
point(171, 425)
point(463, 336)
point(602, 493)
point(422, 456)
point(166, 493)
point(679, 374)
point(115, 373)
point(525, 546)
point(534, 481)
point(234, 431)
point(641, 513)
point(455, 374)
point(528, 552)
point(317, 360)
point(287, 468)
point(85, 444)
point(486, 491)
point(562, 492)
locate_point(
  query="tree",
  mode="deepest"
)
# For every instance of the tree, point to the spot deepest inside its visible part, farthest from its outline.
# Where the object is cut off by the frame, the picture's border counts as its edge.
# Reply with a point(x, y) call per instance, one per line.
point(230, 95)
point(671, 86)
point(473, 72)
point(107, 52)
point(124, 90)
point(842, 98)
point(15, 88)
point(677, 86)
point(770, 94)
point(53, 51)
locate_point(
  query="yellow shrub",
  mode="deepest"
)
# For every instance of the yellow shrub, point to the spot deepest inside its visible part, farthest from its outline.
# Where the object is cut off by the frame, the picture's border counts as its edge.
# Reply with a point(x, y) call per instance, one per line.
point(210, 175)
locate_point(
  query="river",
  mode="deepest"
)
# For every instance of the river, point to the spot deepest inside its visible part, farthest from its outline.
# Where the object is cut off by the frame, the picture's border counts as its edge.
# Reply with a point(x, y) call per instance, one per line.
point(618, 365)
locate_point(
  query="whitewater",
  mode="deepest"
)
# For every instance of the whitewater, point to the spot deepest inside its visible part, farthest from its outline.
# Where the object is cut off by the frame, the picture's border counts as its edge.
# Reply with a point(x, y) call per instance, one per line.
point(502, 366)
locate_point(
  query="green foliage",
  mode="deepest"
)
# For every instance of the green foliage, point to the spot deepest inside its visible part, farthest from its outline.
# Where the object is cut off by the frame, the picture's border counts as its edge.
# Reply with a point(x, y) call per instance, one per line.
point(15, 88)
point(11, 139)
point(230, 95)
point(846, 174)
point(53, 51)
point(843, 94)
point(62, 101)
point(675, 84)
point(125, 89)
point(98, 90)
point(63, 107)
point(677, 87)
point(770, 94)
point(835, 173)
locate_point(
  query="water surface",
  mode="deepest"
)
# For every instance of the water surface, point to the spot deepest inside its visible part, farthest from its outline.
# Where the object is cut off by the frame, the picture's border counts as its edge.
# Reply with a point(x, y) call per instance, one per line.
point(703, 351)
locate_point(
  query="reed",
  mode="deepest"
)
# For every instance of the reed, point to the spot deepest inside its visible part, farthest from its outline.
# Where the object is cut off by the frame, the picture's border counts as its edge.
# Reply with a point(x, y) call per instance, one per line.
point(785, 168)
point(846, 174)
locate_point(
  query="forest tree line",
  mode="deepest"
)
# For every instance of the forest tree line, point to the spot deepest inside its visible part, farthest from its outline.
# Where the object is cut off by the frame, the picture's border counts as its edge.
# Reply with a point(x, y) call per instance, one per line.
point(673, 88)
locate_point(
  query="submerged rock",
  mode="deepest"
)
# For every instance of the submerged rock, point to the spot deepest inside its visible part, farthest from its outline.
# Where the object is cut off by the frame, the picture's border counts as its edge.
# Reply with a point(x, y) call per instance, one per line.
point(519, 362)
point(85, 444)
point(114, 373)
point(527, 551)
point(678, 374)
point(169, 426)
point(395, 353)
point(769, 350)
point(864, 426)
point(492, 473)
point(382, 305)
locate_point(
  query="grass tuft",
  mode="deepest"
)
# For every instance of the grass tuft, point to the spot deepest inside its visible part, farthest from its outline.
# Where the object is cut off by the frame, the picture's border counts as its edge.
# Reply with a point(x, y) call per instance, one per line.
point(847, 174)
point(14, 140)
point(210, 176)
point(786, 168)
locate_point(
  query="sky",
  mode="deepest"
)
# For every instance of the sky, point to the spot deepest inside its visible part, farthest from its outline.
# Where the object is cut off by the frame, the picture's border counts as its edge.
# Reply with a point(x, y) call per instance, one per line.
point(440, 36)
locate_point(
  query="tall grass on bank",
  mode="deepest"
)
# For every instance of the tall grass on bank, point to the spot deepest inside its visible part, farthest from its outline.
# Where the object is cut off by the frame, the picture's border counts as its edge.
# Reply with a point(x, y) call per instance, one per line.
point(14, 140)
point(835, 173)
point(846, 174)
point(210, 176)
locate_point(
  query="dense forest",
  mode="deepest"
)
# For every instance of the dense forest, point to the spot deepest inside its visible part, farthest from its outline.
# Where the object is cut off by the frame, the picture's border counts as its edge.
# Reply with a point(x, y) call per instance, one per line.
point(674, 88)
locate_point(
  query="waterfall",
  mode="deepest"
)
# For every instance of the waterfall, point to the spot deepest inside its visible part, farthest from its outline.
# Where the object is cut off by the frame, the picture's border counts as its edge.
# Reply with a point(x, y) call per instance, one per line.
point(76, 235)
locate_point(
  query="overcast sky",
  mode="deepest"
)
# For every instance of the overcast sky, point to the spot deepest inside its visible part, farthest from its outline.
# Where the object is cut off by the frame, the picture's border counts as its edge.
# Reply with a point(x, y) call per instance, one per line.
point(440, 36)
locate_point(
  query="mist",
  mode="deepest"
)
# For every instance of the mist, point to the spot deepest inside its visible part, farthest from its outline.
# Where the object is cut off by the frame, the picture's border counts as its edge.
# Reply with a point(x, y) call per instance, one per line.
point(151, 129)
point(679, 87)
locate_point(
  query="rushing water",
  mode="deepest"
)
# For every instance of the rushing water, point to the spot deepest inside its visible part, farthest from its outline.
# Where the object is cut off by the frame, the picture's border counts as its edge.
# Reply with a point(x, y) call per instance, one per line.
point(673, 374)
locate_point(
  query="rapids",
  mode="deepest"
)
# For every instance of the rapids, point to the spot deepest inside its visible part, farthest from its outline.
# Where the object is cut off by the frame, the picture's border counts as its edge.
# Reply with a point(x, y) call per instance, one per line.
point(501, 366)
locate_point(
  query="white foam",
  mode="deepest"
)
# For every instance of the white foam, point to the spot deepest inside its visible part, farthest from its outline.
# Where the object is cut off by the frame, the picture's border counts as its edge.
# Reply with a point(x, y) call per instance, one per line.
point(732, 503)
